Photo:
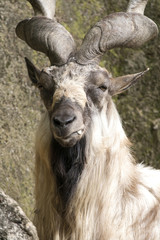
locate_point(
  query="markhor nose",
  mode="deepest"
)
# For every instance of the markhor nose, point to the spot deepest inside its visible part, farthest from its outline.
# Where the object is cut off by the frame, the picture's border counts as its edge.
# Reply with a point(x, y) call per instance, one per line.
point(63, 120)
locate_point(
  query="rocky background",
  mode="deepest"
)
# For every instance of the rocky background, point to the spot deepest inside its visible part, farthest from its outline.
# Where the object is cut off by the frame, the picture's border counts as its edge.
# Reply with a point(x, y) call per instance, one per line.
point(14, 225)
point(20, 105)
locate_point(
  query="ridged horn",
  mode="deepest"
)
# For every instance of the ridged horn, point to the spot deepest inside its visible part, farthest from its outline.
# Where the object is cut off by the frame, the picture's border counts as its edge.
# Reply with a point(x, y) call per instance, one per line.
point(137, 6)
point(45, 34)
point(130, 30)
point(44, 7)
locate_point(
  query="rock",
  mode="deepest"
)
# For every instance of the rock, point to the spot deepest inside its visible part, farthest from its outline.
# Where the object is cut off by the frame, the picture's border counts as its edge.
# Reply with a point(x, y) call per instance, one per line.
point(14, 225)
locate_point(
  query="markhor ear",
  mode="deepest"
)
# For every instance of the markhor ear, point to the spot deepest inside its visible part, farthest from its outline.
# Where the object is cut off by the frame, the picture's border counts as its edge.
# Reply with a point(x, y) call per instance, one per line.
point(120, 84)
point(33, 72)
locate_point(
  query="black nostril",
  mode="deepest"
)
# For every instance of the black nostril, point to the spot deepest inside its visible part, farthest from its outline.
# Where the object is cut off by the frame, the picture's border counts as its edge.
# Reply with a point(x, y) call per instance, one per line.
point(56, 122)
point(62, 121)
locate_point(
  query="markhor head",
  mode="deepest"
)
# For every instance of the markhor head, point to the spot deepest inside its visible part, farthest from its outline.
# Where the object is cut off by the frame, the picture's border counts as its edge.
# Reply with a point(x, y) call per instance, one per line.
point(73, 94)
point(75, 88)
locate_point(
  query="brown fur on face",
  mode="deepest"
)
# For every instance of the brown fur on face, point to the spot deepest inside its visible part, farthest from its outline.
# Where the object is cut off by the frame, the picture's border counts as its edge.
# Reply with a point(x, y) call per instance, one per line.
point(88, 88)
point(79, 91)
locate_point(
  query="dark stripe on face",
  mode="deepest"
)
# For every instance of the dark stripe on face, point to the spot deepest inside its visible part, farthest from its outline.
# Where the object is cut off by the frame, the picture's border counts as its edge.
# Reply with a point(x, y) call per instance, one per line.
point(67, 164)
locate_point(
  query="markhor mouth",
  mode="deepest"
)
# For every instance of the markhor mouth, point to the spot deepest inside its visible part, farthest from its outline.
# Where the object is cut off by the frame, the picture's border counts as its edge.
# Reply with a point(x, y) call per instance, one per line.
point(78, 133)
point(71, 139)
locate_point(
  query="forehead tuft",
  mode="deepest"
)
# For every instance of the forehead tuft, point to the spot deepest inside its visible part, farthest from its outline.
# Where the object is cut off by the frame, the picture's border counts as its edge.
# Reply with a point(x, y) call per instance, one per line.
point(72, 71)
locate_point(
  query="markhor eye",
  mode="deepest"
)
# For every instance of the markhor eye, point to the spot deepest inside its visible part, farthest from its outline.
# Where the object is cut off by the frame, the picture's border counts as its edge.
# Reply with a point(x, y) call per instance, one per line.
point(103, 88)
point(40, 87)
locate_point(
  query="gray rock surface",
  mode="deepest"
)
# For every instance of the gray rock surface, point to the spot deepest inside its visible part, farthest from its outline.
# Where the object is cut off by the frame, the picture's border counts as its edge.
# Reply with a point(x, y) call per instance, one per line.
point(14, 225)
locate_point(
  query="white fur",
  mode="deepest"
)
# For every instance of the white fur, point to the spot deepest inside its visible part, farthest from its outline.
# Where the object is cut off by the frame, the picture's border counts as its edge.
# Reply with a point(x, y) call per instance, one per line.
point(115, 199)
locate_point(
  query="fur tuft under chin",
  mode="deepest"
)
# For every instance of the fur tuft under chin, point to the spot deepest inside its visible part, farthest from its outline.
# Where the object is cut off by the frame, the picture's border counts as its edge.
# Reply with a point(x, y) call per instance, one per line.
point(67, 165)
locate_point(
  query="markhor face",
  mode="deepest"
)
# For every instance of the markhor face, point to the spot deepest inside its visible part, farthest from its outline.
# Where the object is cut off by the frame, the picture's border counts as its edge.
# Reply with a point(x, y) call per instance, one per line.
point(72, 94)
